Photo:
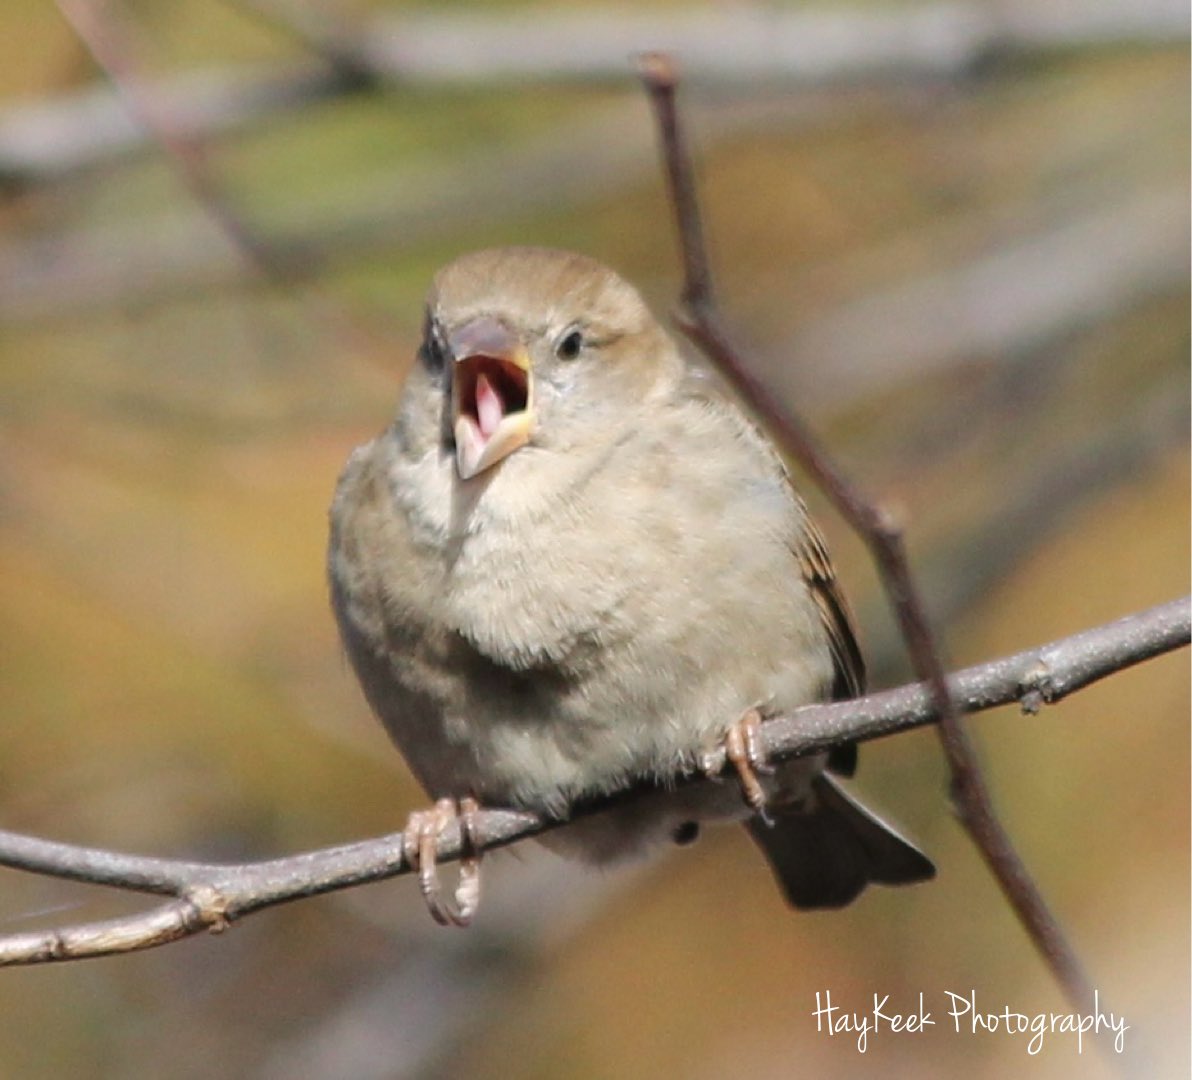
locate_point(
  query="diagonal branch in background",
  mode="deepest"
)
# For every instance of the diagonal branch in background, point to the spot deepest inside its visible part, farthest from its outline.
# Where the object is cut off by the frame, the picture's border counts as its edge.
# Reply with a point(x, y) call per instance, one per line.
point(111, 46)
point(209, 896)
point(699, 318)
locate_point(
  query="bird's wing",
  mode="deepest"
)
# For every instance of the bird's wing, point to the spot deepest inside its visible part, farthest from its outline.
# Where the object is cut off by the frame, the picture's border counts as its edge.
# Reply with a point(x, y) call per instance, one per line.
point(810, 551)
point(812, 559)
point(818, 573)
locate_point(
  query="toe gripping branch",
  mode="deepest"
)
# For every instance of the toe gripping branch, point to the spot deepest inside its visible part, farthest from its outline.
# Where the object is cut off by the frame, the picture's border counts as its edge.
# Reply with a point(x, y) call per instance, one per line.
point(421, 849)
point(742, 748)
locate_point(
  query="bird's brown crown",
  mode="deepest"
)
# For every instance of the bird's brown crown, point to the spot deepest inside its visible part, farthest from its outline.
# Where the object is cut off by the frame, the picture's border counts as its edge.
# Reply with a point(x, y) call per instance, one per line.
point(537, 290)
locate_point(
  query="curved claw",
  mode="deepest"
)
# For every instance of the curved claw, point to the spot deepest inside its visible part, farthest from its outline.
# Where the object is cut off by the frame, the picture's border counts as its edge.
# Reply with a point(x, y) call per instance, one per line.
point(421, 849)
point(743, 751)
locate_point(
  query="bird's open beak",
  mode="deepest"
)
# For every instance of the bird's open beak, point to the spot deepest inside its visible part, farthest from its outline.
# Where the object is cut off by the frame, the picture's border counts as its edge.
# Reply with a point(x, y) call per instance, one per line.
point(492, 394)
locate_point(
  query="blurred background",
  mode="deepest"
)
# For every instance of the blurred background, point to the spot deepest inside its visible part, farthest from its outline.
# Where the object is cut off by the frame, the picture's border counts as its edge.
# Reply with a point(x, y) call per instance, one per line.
point(955, 234)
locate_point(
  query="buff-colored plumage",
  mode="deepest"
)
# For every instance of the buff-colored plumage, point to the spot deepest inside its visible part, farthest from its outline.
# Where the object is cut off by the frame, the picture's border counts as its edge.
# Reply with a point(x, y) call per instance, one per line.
point(603, 602)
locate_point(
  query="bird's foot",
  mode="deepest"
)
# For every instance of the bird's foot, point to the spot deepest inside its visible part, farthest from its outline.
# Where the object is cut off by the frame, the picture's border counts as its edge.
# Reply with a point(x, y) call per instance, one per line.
point(742, 748)
point(421, 848)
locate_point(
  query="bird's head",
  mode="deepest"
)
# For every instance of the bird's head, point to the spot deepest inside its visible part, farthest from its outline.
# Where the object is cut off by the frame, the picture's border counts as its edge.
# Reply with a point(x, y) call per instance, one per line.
point(533, 348)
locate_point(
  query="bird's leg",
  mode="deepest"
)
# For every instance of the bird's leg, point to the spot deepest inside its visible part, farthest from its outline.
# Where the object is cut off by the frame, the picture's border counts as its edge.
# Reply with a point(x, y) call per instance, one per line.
point(744, 753)
point(421, 842)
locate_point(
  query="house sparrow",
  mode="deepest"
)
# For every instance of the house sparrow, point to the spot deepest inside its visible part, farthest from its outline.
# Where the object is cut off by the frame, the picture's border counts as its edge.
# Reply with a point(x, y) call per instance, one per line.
point(566, 567)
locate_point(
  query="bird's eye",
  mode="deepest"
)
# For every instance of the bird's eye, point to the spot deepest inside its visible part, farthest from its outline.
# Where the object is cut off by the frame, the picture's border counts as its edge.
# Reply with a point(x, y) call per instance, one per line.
point(433, 351)
point(570, 345)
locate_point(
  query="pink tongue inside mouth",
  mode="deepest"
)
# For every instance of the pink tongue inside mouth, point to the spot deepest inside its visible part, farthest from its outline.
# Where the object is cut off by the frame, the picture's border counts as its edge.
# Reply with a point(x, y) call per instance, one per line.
point(490, 409)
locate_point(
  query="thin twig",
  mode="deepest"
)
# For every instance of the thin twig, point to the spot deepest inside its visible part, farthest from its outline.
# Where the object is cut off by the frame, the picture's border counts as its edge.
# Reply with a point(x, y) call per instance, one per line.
point(211, 895)
point(699, 318)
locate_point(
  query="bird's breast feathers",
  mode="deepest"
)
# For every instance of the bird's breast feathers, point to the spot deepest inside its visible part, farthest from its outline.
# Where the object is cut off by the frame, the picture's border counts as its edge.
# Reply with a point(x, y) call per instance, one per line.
point(612, 628)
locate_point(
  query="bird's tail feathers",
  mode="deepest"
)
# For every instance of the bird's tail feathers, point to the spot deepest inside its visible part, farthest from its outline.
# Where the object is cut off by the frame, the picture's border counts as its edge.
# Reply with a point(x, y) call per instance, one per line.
point(827, 850)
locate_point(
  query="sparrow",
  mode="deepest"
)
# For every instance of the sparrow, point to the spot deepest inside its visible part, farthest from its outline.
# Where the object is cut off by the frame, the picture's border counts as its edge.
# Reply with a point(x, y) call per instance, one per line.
point(569, 565)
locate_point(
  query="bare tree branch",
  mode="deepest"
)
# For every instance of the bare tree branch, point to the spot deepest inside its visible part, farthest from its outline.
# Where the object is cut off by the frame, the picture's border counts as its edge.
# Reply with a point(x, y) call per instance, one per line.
point(700, 319)
point(210, 896)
